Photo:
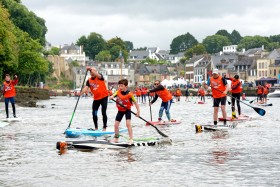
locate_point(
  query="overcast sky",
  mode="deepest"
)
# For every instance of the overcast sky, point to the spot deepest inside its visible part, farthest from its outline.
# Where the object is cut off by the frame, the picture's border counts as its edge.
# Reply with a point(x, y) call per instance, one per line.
point(154, 23)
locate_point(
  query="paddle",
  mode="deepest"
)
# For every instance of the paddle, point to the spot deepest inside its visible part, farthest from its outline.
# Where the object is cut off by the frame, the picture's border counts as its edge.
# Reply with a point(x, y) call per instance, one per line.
point(77, 102)
point(161, 133)
point(150, 107)
point(252, 101)
point(260, 111)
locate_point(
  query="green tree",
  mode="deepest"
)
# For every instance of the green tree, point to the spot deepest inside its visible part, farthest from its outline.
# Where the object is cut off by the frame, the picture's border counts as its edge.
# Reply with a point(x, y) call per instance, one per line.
point(116, 42)
point(26, 20)
point(215, 43)
point(128, 45)
point(115, 53)
point(182, 43)
point(273, 45)
point(249, 42)
point(225, 33)
point(92, 44)
point(149, 61)
point(195, 50)
point(74, 63)
point(235, 37)
point(103, 56)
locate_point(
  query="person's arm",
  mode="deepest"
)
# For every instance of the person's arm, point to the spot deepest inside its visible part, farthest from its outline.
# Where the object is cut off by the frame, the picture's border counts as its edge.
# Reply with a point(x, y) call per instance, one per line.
point(114, 95)
point(136, 105)
point(154, 99)
point(160, 87)
point(85, 89)
point(15, 81)
point(226, 84)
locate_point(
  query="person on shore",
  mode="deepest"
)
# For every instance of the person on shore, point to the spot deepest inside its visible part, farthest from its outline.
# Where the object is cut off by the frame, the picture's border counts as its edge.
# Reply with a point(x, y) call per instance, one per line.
point(187, 94)
point(9, 93)
point(236, 89)
point(144, 94)
point(265, 92)
point(138, 95)
point(125, 98)
point(219, 92)
point(201, 93)
point(259, 93)
point(97, 86)
point(166, 97)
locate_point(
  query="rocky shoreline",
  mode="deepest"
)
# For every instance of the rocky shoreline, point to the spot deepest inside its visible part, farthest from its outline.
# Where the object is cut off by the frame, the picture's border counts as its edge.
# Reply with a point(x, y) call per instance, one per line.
point(28, 97)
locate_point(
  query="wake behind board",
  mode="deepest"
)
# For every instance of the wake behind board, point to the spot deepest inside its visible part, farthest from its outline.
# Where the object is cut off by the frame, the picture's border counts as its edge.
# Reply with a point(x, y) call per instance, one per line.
point(101, 144)
point(11, 119)
point(239, 118)
point(74, 133)
point(200, 128)
point(164, 122)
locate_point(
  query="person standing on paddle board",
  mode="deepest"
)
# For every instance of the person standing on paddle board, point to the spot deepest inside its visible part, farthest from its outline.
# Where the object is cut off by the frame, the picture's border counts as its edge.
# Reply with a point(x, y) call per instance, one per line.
point(201, 93)
point(219, 92)
point(97, 86)
point(265, 92)
point(9, 92)
point(236, 90)
point(125, 98)
point(166, 97)
point(259, 93)
point(187, 94)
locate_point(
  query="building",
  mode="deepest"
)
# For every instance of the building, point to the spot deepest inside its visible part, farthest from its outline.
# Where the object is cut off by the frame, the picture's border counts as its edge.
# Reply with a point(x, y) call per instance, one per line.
point(190, 64)
point(224, 62)
point(230, 49)
point(202, 70)
point(75, 53)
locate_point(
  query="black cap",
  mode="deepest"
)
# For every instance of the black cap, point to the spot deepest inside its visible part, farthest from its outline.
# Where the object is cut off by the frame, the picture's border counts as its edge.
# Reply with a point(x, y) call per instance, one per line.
point(236, 76)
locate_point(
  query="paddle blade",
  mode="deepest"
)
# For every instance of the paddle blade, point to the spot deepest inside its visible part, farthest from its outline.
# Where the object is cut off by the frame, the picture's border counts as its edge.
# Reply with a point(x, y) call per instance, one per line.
point(260, 111)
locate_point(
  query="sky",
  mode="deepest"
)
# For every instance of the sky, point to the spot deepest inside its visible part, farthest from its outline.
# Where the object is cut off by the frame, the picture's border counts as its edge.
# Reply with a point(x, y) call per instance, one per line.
point(154, 23)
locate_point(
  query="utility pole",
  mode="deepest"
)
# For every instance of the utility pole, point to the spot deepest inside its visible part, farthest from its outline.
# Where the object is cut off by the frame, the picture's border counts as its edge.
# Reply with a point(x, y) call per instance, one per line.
point(121, 59)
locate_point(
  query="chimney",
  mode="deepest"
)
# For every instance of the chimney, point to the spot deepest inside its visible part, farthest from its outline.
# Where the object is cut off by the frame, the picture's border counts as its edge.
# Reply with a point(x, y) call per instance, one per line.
point(221, 53)
point(243, 50)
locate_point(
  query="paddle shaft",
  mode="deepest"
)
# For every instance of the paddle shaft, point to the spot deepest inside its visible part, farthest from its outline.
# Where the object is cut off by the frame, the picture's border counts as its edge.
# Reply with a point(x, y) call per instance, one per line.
point(258, 110)
point(73, 113)
point(161, 133)
point(150, 107)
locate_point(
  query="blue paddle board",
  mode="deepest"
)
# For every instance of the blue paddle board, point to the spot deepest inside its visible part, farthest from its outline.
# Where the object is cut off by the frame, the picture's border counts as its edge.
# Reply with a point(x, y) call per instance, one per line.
point(74, 133)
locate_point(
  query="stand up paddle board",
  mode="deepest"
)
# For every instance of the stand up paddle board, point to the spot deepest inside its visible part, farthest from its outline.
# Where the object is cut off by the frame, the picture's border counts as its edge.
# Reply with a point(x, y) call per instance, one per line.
point(3, 124)
point(200, 128)
point(270, 104)
point(101, 144)
point(200, 102)
point(11, 119)
point(74, 133)
point(164, 122)
point(239, 118)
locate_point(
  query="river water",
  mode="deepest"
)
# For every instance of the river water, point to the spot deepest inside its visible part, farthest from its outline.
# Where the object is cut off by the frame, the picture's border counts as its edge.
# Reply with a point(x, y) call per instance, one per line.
point(248, 155)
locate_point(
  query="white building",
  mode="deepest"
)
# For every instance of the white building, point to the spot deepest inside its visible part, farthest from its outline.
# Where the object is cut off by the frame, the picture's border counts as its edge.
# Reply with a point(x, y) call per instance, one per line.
point(230, 49)
point(75, 53)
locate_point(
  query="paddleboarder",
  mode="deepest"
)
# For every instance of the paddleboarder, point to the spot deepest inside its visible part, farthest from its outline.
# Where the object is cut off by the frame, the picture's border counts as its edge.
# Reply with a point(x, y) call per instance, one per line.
point(236, 89)
point(201, 93)
point(265, 92)
point(97, 86)
point(259, 93)
point(219, 92)
point(166, 98)
point(9, 92)
point(125, 98)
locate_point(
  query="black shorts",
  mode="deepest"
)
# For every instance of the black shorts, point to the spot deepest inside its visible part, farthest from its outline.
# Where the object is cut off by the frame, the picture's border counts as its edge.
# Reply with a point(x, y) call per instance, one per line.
point(217, 101)
point(265, 96)
point(260, 96)
point(120, 115)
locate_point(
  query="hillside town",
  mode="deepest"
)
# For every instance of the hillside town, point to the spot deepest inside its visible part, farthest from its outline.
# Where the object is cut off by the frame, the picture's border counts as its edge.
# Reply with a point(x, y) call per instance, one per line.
point(254, 66)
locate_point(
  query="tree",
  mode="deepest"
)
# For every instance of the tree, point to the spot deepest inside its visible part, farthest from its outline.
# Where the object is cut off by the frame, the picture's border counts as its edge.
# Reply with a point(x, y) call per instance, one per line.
point(273, 45)
point(8, 44)
point(26, 21)
point(128, 45)
point(182, 43)
point(195, 50)
point(249, 42)
point(92, 44)
point(116, 42)
point(225, 33)
point(235, 37)
point(115, 53)
point(75, 63)
point(215, 43)
point(103, 56)
point(275, 38)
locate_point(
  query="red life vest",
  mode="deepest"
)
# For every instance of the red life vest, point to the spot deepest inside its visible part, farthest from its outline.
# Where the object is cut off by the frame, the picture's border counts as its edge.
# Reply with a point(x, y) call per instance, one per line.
point(98, 88)
point(218, 87)
point(238, 89)
point(165, 95)
point(201, 92)
point(9, 89)
point(265, 90)
point(124, 100)
point(260, 90)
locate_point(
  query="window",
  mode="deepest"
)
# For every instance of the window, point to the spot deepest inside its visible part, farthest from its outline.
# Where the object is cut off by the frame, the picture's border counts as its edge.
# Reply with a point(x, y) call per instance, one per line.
point(274, 72)
point(112, 72)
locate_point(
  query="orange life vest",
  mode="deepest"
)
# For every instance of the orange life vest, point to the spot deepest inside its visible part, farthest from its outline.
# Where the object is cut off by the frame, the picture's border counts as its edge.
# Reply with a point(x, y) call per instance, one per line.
point(165, 95)
point(260, 90)
point(178, 93)
point(265, 90)
point(124, 100)
point(218, 87)
point(138, 92)
point(233, 85)
point(98, 88)
point(9, 89)
point(143, 91)
point(201, 92)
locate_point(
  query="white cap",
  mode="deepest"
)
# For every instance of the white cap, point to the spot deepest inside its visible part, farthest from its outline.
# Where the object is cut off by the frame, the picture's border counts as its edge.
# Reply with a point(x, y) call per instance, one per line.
point(215, 71)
